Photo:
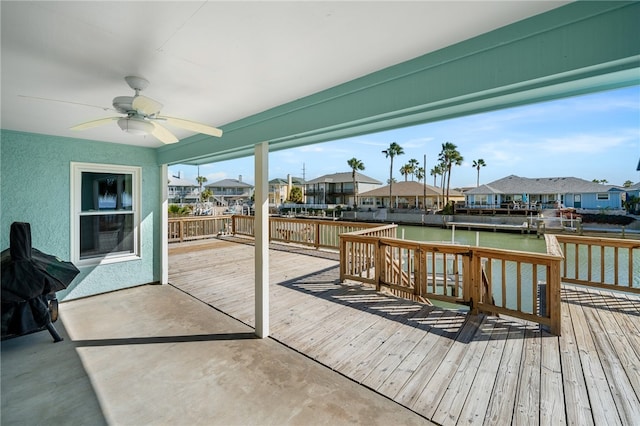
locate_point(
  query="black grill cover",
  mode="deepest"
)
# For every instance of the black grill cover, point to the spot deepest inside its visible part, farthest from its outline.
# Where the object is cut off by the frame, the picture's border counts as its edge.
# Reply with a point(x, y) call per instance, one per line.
point(28, 277)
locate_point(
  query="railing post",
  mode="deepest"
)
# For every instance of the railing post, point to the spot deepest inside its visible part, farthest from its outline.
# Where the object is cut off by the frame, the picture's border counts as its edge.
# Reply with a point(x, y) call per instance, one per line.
point(471, 271)
point(316, 237)
point(182, 224)
point(343, 258)
point(379, 266)
point(554, 303)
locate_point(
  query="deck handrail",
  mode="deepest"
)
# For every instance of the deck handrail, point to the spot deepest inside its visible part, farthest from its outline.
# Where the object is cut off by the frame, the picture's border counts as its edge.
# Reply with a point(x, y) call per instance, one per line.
point(197, 227)
point(520, 284)
point(616, 272)
point(315, 233)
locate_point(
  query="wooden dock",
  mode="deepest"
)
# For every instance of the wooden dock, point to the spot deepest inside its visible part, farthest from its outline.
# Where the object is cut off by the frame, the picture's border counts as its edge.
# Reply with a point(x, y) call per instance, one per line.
point(450, 368)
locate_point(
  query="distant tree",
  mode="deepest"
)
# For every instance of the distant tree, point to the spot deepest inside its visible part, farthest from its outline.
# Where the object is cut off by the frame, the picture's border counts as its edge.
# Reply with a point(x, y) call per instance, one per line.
point(393, 150)
point(602, 181)
point(435, 172)
point(413, 166)
point(392, 180)
point(295, 195)
point(355, 165)
point(201, 180)
point(205, 195)
point(449, 156)
point(627, 184)
point(419, 172)
point(406, 171)
point(477, 164)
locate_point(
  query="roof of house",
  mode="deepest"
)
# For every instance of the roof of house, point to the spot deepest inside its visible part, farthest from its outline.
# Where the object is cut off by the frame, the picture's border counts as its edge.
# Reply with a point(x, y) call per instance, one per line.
point(344, 177)
point(409, 189)
point(281, 181)
point(229, 183)
point(177, 181)
point(551, 185)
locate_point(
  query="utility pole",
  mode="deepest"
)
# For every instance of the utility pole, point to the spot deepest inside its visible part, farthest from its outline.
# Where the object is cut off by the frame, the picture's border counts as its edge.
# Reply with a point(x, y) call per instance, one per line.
point(424, 187)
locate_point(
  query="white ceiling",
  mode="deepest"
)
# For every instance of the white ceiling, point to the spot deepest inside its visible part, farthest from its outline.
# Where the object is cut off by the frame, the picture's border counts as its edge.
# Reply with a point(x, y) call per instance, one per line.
point(214, 62)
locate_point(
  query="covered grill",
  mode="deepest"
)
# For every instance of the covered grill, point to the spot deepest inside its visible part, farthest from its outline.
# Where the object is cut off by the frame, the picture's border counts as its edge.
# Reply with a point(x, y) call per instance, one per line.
point(30, 279)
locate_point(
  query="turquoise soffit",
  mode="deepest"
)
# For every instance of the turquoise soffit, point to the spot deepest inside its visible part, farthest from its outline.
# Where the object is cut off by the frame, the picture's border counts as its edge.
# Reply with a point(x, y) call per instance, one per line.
point(579, 48)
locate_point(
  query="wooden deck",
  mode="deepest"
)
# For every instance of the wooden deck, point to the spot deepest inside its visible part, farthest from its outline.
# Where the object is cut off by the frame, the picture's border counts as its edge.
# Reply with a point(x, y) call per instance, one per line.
point(450, 368)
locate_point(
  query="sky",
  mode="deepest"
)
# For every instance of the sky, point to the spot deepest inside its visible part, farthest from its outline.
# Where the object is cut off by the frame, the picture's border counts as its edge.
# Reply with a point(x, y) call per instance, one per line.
point(593, 136)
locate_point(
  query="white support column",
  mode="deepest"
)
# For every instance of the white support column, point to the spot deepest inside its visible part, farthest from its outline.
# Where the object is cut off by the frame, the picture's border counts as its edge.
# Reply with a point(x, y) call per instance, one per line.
point(164, 225)
point(262, 239)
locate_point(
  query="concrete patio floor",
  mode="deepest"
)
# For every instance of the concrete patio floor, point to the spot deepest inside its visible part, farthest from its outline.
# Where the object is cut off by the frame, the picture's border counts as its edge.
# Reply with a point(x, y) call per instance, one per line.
point(155, 355)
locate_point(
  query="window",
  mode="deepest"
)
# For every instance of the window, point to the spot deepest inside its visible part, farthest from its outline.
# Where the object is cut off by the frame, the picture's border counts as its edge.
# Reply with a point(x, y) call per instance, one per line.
point(602, 196)
point(105, 208)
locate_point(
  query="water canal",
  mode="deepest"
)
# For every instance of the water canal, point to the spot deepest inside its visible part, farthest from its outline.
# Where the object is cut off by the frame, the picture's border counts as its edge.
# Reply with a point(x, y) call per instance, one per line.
point(527, 243)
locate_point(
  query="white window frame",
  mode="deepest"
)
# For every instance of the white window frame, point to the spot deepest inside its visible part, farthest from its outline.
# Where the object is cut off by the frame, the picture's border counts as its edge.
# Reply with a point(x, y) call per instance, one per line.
point(602, 196)
point(76, 211)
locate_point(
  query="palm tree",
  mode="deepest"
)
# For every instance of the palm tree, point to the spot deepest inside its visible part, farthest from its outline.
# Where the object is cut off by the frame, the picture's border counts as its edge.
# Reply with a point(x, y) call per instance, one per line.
point(413, 165)
point(355, 165)
point(449, 156)
point(419, 172)
point(405, 171)
point(435, 172)
point(393, 150)
point(477, 164)
point(201, 180)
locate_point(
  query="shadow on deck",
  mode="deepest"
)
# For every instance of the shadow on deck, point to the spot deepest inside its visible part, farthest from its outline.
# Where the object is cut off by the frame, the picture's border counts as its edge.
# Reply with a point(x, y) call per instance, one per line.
point(448, 367)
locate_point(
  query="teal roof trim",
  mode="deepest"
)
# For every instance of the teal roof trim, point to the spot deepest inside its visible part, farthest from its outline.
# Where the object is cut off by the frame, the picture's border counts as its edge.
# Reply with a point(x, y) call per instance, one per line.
point(579, 48)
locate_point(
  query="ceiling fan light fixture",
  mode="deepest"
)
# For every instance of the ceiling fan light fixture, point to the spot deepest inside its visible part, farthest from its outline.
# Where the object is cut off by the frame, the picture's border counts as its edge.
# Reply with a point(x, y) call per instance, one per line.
point(135, 126)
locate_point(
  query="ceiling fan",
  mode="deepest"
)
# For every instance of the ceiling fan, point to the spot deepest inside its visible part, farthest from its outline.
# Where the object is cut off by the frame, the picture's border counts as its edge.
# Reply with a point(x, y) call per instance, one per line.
point(143, 115)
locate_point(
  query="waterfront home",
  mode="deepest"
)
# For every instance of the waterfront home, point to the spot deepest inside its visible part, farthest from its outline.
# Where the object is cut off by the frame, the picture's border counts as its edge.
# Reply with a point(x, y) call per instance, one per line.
point(515, 192)
point(180, 190)
point(337, 188)
point(231, 191)
point(408, 195)
point(632, 194)
point(279, 189)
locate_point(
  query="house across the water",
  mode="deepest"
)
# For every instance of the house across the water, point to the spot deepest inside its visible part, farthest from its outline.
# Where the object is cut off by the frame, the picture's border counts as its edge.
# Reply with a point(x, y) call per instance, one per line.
point(515, 192)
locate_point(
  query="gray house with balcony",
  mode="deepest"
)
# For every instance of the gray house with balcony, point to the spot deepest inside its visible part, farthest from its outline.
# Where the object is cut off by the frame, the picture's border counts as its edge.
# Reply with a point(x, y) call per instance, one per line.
point(515, 192)
point(231, 191)
point(337, 188)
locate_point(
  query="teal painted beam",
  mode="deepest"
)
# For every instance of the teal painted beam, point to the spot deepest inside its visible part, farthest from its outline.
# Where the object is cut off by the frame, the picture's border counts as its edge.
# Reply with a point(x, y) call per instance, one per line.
point(579, 48)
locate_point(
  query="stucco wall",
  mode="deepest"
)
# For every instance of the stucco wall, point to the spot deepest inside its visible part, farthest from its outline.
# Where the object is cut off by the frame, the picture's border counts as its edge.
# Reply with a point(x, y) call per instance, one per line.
point(35, 179)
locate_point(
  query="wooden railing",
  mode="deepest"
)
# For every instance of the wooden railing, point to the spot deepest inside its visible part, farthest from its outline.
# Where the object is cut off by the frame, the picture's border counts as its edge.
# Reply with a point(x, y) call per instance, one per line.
point(197, 227)
point(519, 284)
point(610, 263)
point(314, 233)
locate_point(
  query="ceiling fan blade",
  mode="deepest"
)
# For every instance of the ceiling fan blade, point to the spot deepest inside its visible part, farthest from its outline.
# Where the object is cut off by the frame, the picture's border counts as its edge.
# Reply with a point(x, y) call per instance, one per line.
point(66, 102)
point(146, 106)
point(192, 125)
point(162, 134)
point(93, 123)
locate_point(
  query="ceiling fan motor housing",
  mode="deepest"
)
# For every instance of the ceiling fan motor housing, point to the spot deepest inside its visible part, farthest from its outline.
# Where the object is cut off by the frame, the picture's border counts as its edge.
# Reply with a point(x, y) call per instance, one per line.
point(123, 104)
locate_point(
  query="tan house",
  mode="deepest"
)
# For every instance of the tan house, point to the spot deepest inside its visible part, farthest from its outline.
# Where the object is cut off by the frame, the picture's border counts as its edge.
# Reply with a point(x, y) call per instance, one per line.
point(408, 195)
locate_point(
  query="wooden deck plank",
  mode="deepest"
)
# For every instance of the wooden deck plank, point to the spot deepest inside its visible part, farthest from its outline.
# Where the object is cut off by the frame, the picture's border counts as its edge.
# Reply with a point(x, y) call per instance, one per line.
point(392, 353)
point(427, 400)
point(577, 405)
point(396, 382)
point(527, 408)
point(503, 396)
point(603, 406)
point(552, 406)
point(612, 350)
point(452, 402)
point(434, 361)
point(477, 401)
